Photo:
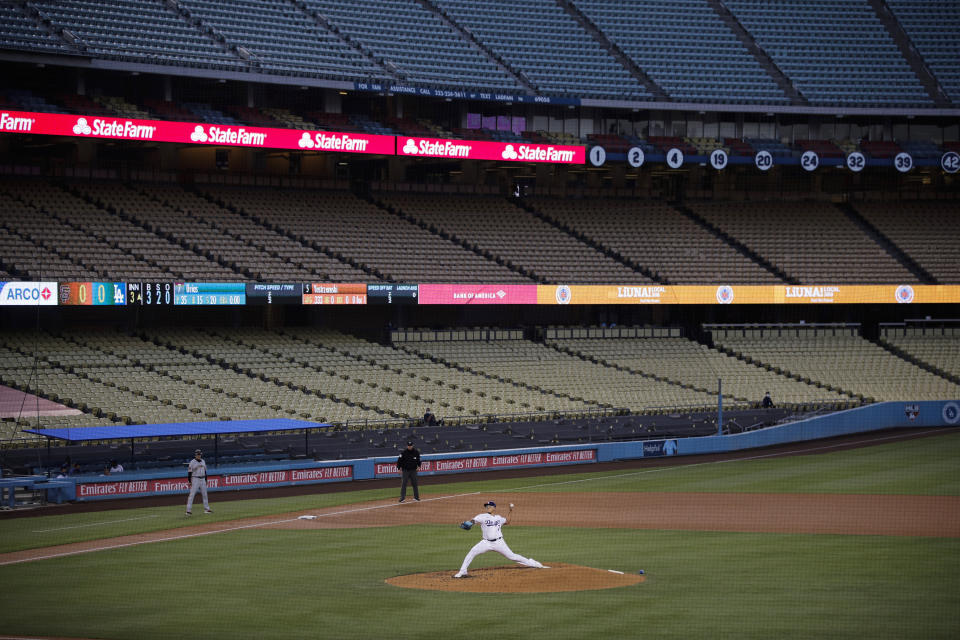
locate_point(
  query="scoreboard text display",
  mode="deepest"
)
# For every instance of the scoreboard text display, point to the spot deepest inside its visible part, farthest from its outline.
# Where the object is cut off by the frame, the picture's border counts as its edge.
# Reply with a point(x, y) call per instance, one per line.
point(335, 294)
point(93, 293)
point(262, 293)
point(150, 294)
point(194, 294)
point(392, 293)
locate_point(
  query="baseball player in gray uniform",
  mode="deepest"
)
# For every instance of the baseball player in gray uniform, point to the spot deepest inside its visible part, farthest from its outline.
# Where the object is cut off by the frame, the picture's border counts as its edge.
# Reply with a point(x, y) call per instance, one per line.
point(492, 540)
point(197, 477)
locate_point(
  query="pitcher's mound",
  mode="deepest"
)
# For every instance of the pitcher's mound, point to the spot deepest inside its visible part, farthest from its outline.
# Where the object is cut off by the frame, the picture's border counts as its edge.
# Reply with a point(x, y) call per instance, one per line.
point(517, 579)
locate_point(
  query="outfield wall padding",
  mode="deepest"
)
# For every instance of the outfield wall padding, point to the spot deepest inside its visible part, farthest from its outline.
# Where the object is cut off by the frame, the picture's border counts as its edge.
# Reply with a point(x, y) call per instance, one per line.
point(876, 417)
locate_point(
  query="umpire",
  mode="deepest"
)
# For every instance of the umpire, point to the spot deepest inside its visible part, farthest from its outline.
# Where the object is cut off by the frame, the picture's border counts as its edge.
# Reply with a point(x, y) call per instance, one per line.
point(408, 463)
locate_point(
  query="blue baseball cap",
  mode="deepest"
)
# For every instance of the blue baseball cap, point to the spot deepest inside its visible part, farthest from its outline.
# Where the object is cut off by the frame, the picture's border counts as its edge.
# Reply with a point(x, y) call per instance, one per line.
point(490, 503)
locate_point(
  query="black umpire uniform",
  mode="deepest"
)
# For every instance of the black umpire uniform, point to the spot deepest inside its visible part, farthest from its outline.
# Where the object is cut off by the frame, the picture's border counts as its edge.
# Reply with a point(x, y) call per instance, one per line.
point(408, 463)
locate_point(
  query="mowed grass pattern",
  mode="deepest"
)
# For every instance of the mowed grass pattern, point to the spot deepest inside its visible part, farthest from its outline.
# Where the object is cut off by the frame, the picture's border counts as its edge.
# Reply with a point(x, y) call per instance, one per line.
point(329, 583)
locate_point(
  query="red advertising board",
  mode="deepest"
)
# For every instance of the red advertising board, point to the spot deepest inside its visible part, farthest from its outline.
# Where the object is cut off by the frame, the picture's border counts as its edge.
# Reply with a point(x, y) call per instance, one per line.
point(486, 150)
point(482, 463)
point(235, 135)
point(478, 294)
point(117, 488)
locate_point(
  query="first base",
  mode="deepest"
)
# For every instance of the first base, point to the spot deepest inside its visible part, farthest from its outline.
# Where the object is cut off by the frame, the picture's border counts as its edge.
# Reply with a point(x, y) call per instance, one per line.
point(307, 518)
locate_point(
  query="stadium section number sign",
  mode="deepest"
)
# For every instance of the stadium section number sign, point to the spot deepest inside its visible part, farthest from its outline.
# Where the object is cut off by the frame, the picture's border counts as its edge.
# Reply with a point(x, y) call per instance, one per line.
point(950, 162)
point(718, 159)
point(856, 162)
point(674, 158)
point(763, 160)
point(598, 155)
point(903, 162)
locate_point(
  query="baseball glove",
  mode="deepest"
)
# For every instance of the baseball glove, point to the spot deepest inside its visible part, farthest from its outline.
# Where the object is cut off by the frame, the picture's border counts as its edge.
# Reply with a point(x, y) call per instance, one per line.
point(466, 525)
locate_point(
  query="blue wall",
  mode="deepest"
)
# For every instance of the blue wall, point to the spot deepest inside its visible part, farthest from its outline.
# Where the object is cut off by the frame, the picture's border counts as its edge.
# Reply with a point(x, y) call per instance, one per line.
point(876, 417)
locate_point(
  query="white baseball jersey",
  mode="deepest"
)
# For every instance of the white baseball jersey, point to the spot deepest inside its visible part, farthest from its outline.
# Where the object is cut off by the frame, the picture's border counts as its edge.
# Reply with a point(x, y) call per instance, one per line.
point(197, 468)
point(493, 541)
point(490, 524)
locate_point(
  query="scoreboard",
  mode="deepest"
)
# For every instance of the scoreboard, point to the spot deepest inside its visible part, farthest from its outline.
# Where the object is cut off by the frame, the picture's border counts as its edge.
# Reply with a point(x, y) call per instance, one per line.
point(92, 293)
point(381, 294)
point(334, 293)
point(209, 293)
point(392, 293)
point(150, 294)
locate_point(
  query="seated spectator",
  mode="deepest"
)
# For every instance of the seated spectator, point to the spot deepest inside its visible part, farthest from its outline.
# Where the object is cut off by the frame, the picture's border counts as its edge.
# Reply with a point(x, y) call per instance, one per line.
point(115, 467)
point(429, 420)
point(767, 402)
point(64, 471)
point(75, 471)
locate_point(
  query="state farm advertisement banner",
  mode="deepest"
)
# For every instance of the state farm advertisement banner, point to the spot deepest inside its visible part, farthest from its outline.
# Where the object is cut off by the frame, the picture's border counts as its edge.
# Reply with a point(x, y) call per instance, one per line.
point(236, 135)
point(130, 488)
point(486, 150)
point(481, 463)
point(478, 294)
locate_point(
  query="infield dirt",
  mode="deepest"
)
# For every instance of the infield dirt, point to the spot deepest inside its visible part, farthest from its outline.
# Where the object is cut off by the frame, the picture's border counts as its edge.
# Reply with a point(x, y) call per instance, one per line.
point(892, 515)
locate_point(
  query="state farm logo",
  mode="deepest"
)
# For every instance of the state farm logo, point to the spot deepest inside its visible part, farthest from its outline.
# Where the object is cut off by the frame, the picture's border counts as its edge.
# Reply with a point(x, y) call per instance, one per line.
point(114, 129)
point(563, 294)
point(436, 148)
point(537, 154)
point(332, 142)
point(725, 294)
point(82, 128)
point(228, 135)
point(904, 294)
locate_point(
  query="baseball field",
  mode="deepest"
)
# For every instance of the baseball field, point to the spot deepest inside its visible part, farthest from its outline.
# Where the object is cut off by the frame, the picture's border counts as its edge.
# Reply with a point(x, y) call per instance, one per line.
point(855, 543)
